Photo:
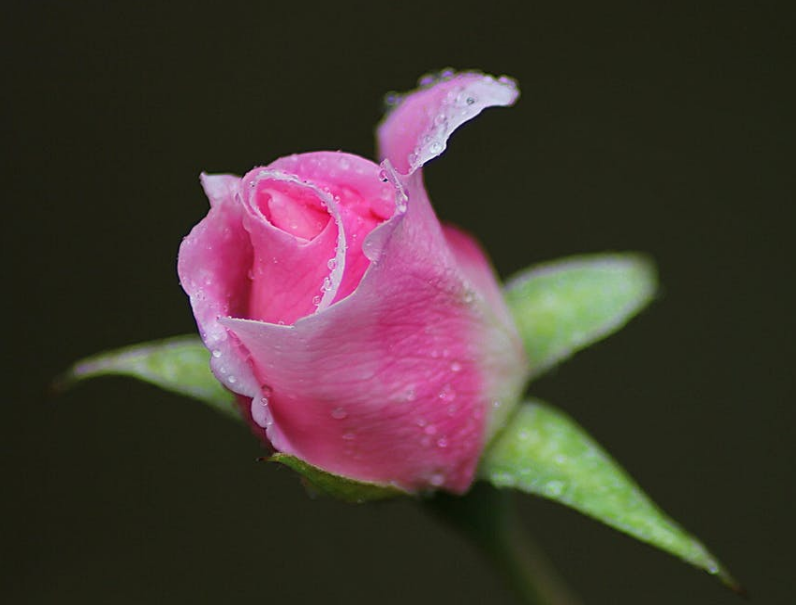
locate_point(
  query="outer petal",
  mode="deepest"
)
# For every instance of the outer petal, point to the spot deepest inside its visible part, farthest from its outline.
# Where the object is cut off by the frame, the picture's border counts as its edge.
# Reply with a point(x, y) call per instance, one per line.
point(213, 264)
point(417, 129)
point(500, 374)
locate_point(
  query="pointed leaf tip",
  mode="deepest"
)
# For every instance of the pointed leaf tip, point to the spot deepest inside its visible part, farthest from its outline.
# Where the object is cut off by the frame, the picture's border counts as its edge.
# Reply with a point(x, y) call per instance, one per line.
point(180, 365)
point(541, 451)
point(566, 305)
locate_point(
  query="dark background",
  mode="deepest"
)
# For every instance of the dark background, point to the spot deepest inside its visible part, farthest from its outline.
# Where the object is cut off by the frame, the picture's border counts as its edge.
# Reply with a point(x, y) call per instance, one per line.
point(646, 128)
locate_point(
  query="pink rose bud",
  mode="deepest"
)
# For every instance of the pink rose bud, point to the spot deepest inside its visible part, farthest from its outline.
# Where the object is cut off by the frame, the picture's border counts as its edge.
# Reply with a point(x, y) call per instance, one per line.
point(370, 340)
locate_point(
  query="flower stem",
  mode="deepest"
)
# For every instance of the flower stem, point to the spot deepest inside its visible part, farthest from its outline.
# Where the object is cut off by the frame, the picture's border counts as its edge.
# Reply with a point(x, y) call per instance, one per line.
point(486, 516)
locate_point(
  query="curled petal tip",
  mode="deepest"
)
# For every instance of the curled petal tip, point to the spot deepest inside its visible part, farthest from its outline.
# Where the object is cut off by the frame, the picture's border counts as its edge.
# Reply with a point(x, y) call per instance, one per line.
point(418, 127)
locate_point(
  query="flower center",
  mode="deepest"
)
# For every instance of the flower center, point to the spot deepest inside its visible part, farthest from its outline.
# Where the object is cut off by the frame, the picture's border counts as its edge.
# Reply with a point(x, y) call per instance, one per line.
point(295, 210)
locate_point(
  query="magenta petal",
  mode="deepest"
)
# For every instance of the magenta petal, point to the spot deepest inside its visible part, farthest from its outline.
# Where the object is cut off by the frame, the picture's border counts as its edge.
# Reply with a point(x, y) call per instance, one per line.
point(417, 130)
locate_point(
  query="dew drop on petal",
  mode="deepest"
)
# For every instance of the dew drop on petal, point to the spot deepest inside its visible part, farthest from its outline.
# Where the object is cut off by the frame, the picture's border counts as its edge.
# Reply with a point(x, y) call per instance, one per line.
point(349, 435)
point(456, 367)
point(339, 413)
point(437, 479)
point(447, 394)
point(216, 353)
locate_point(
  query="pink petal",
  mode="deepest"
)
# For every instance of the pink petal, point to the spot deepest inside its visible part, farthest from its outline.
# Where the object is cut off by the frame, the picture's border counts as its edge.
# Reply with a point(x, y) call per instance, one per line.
point(417, 129)
point(397, 389)
point(282, 258)
point(363, 199)
point(213, 263)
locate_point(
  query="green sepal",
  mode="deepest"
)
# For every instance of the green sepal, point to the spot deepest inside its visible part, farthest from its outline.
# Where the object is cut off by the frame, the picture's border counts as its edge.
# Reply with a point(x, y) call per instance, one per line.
point(566, 305)
point(180, 364)
point(543, 452)
point(336, 486)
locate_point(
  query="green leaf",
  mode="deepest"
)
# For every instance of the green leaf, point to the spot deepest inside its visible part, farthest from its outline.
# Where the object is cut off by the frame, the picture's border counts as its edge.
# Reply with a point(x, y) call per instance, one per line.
point(541, 451)
point(180, 365)
point(336, 486)
point(566, 305)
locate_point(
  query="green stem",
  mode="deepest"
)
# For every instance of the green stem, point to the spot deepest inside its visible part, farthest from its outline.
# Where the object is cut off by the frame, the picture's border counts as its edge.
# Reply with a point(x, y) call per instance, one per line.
point(486, 516)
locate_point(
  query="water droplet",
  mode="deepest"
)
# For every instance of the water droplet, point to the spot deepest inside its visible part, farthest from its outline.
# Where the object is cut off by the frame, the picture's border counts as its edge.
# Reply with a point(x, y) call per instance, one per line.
point(339, 414)
point(349, 435)
point(554, 488)
point(327, 284)
point(316, 300)
point(442, 442)
point(503, 478)
point(430, 430)
point(266, 392)
point(456, 367)
point(447, 394)
point(421, 422)
point(383, 176)
point(332, 263)
point(437, 479)
point(392, 100)
point(231, 379)
point(470, 100)
point(216, 353)
point(435, 147)
point(427, 80)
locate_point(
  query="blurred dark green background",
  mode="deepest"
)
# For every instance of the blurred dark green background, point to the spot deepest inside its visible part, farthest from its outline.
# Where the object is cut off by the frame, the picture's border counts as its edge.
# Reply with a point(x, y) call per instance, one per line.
point(646, 128)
